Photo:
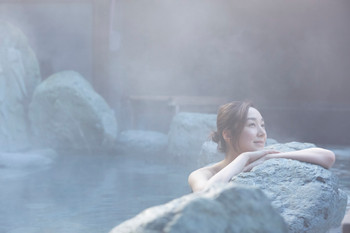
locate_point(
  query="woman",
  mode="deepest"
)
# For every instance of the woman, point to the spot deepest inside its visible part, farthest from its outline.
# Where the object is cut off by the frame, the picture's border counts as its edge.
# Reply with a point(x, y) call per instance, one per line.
point(241, 135)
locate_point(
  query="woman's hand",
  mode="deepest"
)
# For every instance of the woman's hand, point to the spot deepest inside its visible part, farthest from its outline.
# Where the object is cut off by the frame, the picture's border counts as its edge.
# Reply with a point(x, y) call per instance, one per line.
point(257, 157)
point(318, 156)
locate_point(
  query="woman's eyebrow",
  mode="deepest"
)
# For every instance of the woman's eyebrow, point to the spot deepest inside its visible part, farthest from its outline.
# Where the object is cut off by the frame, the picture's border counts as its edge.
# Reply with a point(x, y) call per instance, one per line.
point(254, 119)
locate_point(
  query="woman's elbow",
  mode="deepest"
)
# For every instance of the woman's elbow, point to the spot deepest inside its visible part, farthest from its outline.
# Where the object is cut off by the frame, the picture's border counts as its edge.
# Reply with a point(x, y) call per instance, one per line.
point(195, 183)
point(328, 158)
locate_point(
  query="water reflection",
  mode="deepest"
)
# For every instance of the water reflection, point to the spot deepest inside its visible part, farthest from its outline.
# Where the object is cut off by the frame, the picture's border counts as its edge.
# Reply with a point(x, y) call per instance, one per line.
point(84, 193)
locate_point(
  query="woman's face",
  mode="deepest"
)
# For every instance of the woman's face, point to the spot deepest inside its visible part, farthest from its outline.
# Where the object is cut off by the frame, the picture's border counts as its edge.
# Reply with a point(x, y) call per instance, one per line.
point(253, 135)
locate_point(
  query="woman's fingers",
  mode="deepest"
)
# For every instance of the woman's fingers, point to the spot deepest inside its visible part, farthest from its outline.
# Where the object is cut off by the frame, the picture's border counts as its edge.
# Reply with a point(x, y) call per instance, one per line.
point(253, 164)
point(259, 161)
point(255, 155)
point(271, 151)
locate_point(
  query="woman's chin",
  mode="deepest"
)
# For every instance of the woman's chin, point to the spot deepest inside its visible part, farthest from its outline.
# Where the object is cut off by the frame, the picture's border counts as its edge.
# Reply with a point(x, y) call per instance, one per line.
point(259, 145)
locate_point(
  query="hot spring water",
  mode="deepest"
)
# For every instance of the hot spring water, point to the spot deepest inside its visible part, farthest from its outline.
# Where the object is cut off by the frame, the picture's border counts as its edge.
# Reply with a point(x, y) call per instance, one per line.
point(84, 193)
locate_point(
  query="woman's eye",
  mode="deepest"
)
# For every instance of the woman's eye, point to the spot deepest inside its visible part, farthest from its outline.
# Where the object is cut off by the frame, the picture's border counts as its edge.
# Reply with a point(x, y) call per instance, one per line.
point(251, 125)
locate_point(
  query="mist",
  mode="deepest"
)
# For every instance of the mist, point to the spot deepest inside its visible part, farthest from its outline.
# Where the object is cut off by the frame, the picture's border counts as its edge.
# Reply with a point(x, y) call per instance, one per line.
point(262, 50)
point(291, 58)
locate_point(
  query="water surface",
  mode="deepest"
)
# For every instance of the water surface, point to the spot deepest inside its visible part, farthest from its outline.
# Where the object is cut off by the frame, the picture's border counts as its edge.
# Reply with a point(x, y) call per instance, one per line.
point(85, 193)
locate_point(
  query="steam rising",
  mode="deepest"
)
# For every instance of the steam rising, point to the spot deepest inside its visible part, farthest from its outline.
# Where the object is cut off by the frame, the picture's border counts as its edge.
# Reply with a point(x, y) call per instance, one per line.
point(263, 50)
point(280, 54)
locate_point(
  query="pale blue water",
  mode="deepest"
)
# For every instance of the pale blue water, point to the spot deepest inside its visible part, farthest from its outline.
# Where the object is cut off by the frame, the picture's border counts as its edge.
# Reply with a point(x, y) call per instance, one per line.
point(80, 193)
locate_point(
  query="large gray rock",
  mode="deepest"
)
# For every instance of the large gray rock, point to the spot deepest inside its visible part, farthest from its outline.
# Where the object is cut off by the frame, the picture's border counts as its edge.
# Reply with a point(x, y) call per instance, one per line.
point(140, 141)
point(290, 146)
point(188, 132)
point(306, 195)
point(66, 113)
point(222, 209)
point(19, 75)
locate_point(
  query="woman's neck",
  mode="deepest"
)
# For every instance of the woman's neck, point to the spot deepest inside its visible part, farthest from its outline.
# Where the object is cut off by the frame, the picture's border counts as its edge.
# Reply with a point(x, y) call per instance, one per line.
point(230, 155)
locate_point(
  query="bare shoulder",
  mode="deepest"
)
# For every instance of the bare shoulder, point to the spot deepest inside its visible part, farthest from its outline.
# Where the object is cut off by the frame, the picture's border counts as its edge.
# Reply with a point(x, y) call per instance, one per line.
point(207, 171)
point(198, 178)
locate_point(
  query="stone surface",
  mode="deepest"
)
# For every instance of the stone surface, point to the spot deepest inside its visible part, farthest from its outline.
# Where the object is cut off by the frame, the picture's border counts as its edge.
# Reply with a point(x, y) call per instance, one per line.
point(290, 146)
point(140, 141)
point(222, 209)
point(209, 154)
point(66, 113)
point(270, 141)
point(19, 75)
point(28, 159)
point(188, 132)
point(306, 195)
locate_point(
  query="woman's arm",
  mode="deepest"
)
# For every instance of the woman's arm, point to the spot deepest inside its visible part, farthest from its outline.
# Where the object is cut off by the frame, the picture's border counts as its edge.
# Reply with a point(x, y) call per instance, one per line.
point(203, 178)
point(319, 156)
point(199, 178)
point(232, 169)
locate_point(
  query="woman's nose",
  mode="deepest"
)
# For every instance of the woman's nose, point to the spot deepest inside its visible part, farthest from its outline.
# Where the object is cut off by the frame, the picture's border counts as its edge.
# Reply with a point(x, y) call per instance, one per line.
point(261, 131)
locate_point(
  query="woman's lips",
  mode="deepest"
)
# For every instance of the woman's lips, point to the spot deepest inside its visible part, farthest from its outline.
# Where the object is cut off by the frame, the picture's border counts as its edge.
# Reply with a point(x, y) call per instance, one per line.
point(259, 142)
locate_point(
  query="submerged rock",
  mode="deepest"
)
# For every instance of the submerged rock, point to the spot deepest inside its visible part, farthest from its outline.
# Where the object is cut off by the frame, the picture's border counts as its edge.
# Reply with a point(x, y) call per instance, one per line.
point(222, 209)
point(28, 159)
point(19, 75)
point(306, 195)
point(188, 132)
point(140, 141)
point(66, 113)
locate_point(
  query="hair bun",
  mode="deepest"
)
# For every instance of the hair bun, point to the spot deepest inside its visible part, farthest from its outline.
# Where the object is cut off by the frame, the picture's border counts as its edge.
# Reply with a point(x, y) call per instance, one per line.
point(215, 137)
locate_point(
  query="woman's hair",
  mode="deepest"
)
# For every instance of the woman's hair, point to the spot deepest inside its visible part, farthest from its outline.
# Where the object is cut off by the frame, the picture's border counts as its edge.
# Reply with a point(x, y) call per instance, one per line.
point(231, 116)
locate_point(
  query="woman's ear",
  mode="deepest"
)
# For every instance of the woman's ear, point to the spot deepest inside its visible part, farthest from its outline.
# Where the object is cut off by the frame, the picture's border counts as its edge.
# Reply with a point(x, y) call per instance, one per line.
point(226, 134)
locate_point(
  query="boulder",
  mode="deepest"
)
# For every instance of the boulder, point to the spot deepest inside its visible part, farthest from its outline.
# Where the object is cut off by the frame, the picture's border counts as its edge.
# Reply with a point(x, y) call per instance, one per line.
point(67, 114)
point(28, 159)
point(19, 75)
point(140, 141)
point(306, 195)
point(290, 146)
point(188, 132)
point(270, 141)
point(20, 164)
point(209, 154)
point(221, 209)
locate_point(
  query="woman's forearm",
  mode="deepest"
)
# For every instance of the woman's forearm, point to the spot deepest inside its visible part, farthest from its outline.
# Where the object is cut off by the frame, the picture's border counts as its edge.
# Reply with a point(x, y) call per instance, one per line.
point(319, 156)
